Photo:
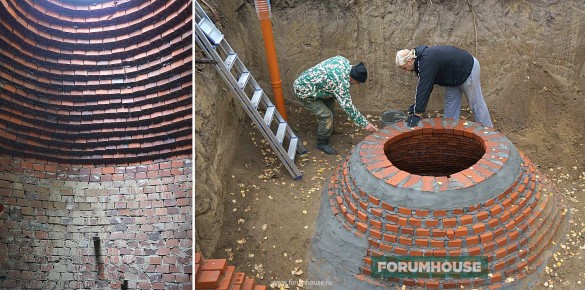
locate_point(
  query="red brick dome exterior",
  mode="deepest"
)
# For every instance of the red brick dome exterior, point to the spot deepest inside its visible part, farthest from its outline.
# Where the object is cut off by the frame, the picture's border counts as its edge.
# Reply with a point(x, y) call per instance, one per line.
point(444, 188)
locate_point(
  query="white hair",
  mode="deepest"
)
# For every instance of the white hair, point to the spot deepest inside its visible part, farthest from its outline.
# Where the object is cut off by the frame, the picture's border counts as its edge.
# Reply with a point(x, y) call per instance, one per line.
point(404, 55)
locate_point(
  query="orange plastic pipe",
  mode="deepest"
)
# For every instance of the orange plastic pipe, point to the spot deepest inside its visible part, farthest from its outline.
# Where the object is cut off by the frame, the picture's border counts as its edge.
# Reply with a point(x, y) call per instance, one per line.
point(266, 25)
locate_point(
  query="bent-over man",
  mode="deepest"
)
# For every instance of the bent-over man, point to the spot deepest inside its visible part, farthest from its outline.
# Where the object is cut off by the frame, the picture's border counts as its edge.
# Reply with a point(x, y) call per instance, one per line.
point(320, 86)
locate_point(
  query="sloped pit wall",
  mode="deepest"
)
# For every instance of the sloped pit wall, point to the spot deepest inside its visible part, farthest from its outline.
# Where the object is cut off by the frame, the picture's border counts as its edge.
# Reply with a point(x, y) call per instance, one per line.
point(495, 204)
point(141, 215)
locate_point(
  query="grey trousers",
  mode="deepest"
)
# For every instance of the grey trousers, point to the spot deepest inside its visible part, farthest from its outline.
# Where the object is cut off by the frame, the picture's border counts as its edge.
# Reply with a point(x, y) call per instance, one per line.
point(472, 90)
point(324, 110)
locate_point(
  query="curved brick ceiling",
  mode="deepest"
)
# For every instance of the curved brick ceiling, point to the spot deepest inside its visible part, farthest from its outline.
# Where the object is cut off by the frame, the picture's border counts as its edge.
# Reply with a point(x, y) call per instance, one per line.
point(106, 82)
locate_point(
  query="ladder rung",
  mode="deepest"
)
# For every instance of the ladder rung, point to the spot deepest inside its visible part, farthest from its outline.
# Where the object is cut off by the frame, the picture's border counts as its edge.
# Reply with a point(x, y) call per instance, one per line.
point(269, 114)
point(244, 79)
point(292, 147)
point(256, 98)
point(214, 35)
point(280, 132)
point(229, 61)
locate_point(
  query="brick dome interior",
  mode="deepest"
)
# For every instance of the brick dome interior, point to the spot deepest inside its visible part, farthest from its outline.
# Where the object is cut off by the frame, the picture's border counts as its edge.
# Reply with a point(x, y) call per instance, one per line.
point(434, 153)
point(95, 144)
point(108, 82)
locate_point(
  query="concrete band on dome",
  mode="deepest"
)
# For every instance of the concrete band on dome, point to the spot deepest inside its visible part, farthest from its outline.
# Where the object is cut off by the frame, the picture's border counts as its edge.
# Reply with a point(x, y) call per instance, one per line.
point(500, 207)
point(452, 193)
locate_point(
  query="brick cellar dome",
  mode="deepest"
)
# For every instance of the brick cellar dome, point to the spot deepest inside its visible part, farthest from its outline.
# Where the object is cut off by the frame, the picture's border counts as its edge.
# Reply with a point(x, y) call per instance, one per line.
point(95, 144)
point(442, 189)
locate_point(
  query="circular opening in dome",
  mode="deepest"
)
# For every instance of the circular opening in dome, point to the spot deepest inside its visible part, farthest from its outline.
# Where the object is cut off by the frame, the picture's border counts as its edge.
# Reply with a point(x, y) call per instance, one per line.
point(433, 153)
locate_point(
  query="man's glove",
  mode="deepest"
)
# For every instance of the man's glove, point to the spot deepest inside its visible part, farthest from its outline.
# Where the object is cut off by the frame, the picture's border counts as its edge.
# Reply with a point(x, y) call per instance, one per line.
point(412, 121)
point(411, 110)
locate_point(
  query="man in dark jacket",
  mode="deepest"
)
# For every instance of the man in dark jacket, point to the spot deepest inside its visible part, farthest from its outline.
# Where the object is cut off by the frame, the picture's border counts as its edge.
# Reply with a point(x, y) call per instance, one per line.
point(451, 67)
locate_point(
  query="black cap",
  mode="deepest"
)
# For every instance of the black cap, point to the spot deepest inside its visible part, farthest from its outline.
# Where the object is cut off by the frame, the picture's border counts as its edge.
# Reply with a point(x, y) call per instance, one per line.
point(359, 72)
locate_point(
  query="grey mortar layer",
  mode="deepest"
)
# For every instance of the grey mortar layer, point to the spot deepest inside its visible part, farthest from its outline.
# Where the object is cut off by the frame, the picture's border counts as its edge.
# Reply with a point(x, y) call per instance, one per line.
point(335, 253)
point(447, 199)
point(335, 256)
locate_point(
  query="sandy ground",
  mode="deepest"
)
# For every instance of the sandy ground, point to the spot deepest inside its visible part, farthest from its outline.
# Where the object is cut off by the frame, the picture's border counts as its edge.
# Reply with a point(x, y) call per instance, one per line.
point(270, 219)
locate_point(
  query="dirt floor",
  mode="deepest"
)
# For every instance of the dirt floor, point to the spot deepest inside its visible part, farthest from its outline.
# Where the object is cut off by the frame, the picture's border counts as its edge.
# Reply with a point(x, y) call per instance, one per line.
point(270, 219)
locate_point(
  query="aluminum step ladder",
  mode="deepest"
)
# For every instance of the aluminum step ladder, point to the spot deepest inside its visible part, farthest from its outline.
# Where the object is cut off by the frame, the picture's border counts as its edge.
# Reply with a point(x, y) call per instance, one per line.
point(256, 103)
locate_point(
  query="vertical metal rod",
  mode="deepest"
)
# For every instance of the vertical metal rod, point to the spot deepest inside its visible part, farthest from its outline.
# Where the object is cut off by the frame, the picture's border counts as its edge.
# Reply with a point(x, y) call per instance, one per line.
point(97, 251)
point(97, 247)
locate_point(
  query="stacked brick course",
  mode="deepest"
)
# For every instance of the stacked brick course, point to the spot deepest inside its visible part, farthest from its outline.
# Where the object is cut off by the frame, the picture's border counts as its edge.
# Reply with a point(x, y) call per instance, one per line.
point(444, 188)
point(216, 274)
point(95, 142)
point(109, 83)
point(141, 213)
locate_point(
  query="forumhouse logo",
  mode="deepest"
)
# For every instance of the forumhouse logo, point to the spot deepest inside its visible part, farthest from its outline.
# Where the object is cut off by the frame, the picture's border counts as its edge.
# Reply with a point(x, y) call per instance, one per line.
point(429, 267)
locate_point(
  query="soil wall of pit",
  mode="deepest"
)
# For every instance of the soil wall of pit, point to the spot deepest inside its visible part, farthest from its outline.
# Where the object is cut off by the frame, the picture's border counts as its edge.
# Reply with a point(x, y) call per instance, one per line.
point(531, 56)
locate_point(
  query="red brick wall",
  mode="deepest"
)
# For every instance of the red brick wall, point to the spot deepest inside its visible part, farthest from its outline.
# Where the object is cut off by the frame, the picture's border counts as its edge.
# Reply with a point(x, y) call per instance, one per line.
point(142, 214)
point(434, 153)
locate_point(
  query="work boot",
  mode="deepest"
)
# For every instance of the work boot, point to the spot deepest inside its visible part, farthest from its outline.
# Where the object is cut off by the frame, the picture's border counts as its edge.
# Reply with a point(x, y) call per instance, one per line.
point(323, 145)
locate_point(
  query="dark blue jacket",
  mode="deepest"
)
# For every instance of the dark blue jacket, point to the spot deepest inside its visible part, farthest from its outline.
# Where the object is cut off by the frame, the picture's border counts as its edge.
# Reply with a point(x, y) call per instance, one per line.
point(446, 66)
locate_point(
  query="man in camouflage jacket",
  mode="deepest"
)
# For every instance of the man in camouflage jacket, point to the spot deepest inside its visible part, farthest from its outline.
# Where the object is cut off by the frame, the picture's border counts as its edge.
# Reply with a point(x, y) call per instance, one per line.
point(320, 86)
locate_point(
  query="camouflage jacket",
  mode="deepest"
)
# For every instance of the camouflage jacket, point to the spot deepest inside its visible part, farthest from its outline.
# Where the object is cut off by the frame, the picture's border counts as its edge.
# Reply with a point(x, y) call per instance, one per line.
point(329, 79)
